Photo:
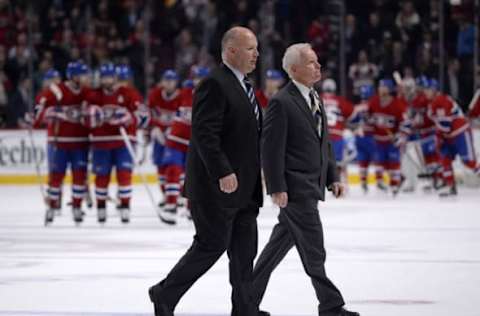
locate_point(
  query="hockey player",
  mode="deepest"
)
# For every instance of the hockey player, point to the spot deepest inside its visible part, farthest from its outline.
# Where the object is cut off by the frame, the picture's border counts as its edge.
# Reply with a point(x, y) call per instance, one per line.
point(455, 135)
point(109, 109)
point(273, 81)
point(163, 101)
point(339, 112)
point(390, 129)
point(51, 76)
point(364, 141)
point(142, 113)
point(60, 108)
point(425, 130)
point(176, 147)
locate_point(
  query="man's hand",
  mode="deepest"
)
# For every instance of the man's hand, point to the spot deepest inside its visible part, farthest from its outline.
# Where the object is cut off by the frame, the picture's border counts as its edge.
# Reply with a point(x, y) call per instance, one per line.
point(280, 199)
point(229, 184)
point(337, 188)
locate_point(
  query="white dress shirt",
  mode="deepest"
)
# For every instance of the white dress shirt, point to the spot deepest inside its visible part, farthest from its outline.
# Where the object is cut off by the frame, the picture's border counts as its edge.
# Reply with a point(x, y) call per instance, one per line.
point(305, 92)
point(237, 74)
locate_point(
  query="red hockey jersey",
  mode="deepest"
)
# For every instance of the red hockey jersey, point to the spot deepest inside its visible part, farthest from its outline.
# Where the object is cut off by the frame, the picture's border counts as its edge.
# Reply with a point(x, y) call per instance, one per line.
point(261, 98)
point(60, 107)
point(181, 128)
point(134, 99)
point(117, 109)
point(163, 108)
point(339, 111)
point(447, 115)
point(388, 119)
point(421, 122)
point(362, 118)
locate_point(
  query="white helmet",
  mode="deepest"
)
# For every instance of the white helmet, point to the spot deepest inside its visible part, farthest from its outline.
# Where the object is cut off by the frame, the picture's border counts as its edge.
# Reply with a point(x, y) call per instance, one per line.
point(329, 85)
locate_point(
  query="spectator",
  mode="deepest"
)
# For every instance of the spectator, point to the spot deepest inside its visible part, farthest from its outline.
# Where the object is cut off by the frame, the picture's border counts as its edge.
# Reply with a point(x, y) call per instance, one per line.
point(465, 48)
point(20, 54)
point(4, 86)
point(408, 21)
point(19, 104)
point(373, 34)
point(352, 37)
point(187, 53)
point(130, 14)
point(465, 39)
point(5, 23)
point(393, 60)
point(362, 72)
point(318, 36)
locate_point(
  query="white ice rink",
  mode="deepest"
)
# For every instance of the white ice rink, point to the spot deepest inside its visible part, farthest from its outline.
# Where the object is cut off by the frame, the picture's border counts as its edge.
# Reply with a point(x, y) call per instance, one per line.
point(415, 255)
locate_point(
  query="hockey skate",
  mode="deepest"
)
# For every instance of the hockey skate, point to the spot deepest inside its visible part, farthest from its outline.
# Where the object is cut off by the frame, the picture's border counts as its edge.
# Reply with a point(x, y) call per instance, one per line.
point(49, 216)
point(124, 212)
point(77, 215)
point(102, 215)
point(365, 188)
point(382, 186)
point(162, 204)
point(168, 215)
point(447, 191)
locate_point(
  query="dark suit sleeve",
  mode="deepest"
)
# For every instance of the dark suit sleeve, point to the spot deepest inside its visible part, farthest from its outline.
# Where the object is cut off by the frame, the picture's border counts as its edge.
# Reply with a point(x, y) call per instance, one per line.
point(332, 171)
point(207, 124)
point(274, 141)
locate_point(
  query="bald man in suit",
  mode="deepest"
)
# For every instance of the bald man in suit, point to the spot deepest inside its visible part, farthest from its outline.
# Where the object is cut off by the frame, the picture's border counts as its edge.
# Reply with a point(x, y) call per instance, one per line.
point(223, 182)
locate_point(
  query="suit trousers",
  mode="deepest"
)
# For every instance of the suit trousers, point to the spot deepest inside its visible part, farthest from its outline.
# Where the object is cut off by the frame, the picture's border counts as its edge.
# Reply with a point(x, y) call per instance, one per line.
point(300, 226)
point(217, 230)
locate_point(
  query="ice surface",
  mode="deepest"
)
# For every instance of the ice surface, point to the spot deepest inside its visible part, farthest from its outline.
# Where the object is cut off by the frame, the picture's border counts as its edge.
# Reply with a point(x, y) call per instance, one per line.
point(413, 255)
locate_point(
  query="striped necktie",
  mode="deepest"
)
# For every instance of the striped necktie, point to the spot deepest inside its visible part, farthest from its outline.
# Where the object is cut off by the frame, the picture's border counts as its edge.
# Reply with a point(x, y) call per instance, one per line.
point(317, 115)
point(251, 97)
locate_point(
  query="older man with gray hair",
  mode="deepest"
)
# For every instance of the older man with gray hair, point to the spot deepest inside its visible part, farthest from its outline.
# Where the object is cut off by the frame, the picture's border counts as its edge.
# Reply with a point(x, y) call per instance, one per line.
point(298, 164)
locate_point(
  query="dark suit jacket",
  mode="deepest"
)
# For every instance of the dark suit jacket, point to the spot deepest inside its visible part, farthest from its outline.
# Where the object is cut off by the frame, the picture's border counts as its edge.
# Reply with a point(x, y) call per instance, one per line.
point(225, 139)
point(295, 158)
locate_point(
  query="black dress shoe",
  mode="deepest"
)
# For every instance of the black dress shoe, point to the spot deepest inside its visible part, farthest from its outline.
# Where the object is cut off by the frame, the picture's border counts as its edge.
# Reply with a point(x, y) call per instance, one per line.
point(263, 313)
point(339, 312)
point(160, 308)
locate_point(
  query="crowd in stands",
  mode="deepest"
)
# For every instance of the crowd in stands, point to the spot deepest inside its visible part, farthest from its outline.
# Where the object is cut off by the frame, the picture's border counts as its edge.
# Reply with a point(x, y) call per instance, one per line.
point(381, 36)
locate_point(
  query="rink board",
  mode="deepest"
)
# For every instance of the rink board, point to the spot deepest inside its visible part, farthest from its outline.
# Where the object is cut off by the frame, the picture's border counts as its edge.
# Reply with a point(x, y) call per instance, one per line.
point(19, 154)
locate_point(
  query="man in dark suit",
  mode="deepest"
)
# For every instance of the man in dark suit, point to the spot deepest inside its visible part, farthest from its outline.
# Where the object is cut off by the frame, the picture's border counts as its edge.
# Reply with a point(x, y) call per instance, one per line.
point(298, 164)
point(223, 181)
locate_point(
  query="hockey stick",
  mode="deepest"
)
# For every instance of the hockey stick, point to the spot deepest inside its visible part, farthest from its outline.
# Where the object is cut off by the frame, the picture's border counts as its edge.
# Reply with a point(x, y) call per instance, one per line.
point(37, 167)
point(474, 100)
point(132, 153)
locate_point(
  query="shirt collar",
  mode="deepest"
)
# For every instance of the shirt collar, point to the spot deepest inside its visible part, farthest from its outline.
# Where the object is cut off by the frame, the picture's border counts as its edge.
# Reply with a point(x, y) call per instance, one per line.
point(304, 90)
point(236, 72)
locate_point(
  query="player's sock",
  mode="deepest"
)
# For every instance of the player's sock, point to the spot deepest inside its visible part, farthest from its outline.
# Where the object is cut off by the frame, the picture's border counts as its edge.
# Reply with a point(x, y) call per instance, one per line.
point(447, 173)
point(363, 169)
point(173, 186)
point(379, 178)
point(101, 189)
point(79, 189)
point(54, 190)
point(162, 178)
point(124, 178)
point(395, 180)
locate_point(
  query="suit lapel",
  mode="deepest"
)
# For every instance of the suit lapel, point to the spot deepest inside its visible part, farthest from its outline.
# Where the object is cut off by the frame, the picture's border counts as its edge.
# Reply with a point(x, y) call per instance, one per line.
point(302, 104)
point(237, 86)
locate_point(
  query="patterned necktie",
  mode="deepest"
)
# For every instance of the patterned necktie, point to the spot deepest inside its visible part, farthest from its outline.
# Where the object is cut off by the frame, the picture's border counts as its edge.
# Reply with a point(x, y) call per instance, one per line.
point(251, 97)
point(317, 115)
